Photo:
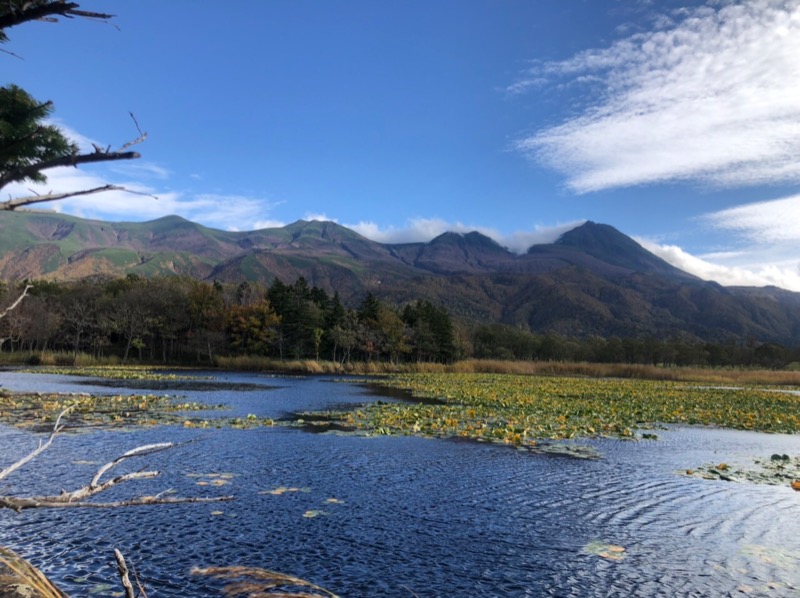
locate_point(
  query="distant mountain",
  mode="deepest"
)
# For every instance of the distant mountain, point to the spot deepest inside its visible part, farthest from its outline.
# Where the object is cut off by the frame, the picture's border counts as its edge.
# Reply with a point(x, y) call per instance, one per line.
point(593, 280)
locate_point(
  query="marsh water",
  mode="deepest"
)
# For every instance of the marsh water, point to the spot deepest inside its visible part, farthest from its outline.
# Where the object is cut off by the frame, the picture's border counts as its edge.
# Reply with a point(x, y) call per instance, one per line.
point(411, 516)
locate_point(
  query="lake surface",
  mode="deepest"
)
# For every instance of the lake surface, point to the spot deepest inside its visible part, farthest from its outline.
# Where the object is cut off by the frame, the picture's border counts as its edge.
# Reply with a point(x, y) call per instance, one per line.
point(413, 516)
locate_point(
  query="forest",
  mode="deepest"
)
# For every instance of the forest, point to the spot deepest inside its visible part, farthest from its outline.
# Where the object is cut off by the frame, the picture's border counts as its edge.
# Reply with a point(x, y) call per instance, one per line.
point(175, 320)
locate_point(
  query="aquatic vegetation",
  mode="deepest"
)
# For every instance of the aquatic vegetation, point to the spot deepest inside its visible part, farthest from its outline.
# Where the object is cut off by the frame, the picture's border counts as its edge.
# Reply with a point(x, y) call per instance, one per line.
point(284, 489)
point(524, 410)
point(610, 552)
point(311, 513)
point(128, 372)
point(39, 410)
point(777, 470)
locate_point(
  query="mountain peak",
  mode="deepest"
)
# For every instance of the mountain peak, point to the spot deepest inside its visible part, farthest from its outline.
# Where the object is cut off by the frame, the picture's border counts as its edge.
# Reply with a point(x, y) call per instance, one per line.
point(606, 243)
point(592, 234)
point(321, 229)
point(473, 239)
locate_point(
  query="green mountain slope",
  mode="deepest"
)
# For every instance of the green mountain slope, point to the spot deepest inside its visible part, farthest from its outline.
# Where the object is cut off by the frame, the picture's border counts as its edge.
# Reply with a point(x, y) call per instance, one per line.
point(594, 280)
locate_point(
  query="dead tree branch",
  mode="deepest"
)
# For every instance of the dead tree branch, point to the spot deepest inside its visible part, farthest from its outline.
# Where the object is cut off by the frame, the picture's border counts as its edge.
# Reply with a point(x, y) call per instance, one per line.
point(42, 447)
point(140, 139)
point(13, 204)
point(13, 306)
point(98, 155)
point(123, 574)
point(77, 498)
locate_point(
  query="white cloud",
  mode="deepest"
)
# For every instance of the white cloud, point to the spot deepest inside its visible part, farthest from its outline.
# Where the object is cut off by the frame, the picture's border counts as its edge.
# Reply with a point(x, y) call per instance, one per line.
point(758, 271)
point(320, 217)
point(260, 224)
point(713, 98)
point(416, 230)
point(420, 230)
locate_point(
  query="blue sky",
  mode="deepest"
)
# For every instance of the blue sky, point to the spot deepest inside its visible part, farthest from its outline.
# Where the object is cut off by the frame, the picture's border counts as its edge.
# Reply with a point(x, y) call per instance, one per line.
point(676, 122)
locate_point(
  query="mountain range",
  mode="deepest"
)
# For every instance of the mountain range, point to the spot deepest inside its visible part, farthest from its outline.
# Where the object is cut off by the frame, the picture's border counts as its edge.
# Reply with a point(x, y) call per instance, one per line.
point(593, 280)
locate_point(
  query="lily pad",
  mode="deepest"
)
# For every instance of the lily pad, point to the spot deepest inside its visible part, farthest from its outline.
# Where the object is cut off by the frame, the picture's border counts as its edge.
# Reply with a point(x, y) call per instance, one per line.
point(310, 514)
point(610, 552)
point(778, 470)
point(283, 490)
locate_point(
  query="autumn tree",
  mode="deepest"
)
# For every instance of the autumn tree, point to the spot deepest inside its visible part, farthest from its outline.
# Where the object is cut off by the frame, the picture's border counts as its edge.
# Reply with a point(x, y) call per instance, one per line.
point(252, 329)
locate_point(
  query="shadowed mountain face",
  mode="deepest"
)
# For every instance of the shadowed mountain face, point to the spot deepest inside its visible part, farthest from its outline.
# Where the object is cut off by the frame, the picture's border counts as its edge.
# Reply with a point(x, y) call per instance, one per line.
point(593, 280)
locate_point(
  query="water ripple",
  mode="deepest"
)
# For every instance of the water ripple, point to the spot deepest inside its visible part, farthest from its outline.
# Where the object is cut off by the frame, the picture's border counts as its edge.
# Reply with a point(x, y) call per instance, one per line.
point(414, 516)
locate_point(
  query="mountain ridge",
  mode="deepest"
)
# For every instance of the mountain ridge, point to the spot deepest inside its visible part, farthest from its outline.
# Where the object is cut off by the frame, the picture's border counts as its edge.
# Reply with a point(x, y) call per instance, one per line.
point(593, 280)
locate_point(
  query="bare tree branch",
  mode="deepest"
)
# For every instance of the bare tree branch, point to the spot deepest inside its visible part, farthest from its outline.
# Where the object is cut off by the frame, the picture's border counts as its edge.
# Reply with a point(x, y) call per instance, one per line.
point(42, 447)
point(141, 138)
point(123, 574)
point(14, 306)
point(76, 498)
point(22, 504)
point(4, 51)
point(73, 160)
point(13, 204)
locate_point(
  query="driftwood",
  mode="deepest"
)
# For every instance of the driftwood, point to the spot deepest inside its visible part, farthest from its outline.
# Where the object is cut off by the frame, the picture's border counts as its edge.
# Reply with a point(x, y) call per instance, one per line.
point(20, 579)
point(78, 498)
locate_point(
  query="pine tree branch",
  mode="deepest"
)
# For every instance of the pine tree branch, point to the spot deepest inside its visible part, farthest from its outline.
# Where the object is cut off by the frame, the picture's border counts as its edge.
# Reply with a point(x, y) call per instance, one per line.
point(35, 12)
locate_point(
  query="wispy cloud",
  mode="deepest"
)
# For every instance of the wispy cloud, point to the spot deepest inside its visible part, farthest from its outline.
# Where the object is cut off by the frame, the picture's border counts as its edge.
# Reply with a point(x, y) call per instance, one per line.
point(711, 96)
point(772, 221)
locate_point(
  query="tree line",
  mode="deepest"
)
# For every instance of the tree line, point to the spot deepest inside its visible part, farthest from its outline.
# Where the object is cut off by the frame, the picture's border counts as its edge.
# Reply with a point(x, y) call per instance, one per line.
point(500, 341)
point(180, 320)
point(185, 321)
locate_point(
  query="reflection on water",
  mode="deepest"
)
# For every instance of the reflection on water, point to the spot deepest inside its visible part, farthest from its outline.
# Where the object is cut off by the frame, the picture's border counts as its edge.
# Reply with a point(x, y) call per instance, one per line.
point(414, 516)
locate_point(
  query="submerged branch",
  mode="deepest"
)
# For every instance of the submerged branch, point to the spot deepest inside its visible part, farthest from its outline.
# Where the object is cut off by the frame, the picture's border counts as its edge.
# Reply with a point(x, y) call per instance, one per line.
point(77, 498)
point(42, 447)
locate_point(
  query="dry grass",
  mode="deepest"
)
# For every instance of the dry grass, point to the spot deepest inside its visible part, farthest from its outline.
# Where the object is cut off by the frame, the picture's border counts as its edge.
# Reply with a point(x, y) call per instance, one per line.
point(56, 358)
point(741, 376)
point(735, 376)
